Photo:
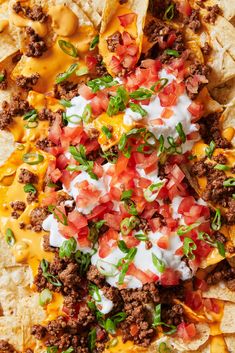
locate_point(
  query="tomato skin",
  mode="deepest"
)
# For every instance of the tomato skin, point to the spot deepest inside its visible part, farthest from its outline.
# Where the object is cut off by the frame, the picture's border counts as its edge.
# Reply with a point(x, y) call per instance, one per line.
point(96, 106)
point(163, 242)
point(184, 7)
point(186, 204)
point(91, 62)
point(55, 175)
point(186, 331)
point(78, 220)
point(200, 284)
point(196, 109)
point(55, 131)
point(194, 300)
point(177, 173)
point(134, 329)
point(85, 92)
point(169, 278)
point(131, 241)
point(140, 275)
point(127, 19)
point(113, 220)
point(105, 245)
point(115, 65)
point(127, 39)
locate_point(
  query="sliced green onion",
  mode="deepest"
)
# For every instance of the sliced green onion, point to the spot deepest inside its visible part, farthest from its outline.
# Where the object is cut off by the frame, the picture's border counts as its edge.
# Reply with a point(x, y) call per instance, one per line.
point(94, 42)
point(221, 248)
point(216, 244)
point(68, 248)
point(112, 343)
point(69, 350)
point(138, 109)
point(2, 77)
point(92, 340)
point(130, 207)
point(20, 147)
point(185, 229)
point(124, 264)
point(141, 94)
point(74, 119)
point(126, 194)
point(188, 248)
point(229, 182)
point(172, 52)
point(106, 269)
point(161, 148)
point(65, 75)
point(102, 82)
point(33, 158)
point(52, 349)
point(45, 297)
point(222, 167)
point(159, 264)
point(149, 194)
point(66, 103)
point(83, 261)
point(118, 103)
point(216, 223)
point(128, 224)
point(160, 84)
point(169, 13)
point(32, 115)
point(53, 209)
point(9, 237)
point(82, 71)
point(180, 131)
point(106, 132)
point(29, 188)
point(157, 321)
point(163, 348)
point(44, 264)
point(68, 48)
point(141, 237)
point(210, 149)
point(31, 125)
point(122, 246)
point(86, 115)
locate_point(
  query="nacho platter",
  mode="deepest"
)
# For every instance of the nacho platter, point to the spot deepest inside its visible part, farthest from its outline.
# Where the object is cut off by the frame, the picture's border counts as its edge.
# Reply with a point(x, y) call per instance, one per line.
point(117, 176)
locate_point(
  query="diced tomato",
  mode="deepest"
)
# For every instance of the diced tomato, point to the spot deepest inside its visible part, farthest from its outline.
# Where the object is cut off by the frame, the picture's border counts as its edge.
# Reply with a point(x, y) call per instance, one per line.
point(91, 62)
point(127, 39)
point(186, 331)
point(167, 113)
point(167, 100)
point(121, 164)
point(196, 109)
point(127, 19)
point(201, 284)
point(177, 173)
point(78, 220)
point(169, 277)
point(61, 161)
point(171, 39)
point(98, 170)
point(186, 204)
point(50, 199)
point(141, 275)
point(113, 220)
point(115, 65)
point(132, 49)
point(129, 61)
point(85, 92)
point(55, 175)
point(71, 135)
point(99, 211)
point(194, 300)
point(107, 242)
point(55, 131)
point(67, 231)
point(163, 242)
point(83, 238)
point(131, 241)
point(134, 329)
point(179, 252)
point(96, 106)
point(184, 7)
point(104, 101)
point(154, 65)
point(115, 193)
point(120, 50)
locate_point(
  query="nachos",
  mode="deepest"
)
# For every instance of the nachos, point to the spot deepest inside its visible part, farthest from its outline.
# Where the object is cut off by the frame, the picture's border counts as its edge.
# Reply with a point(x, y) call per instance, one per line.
point(117, 176)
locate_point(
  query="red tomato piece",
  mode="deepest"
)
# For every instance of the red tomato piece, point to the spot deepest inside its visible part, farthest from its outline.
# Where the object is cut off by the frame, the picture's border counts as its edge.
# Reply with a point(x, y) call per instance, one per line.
point(113, 220)
point(134, 329)
point(96, 106)
point(141, 275)
point(129, 61)
point(107, 242)
point(91, 62)
point(127, 19)
point(186, 331)
point(163, 242)
point(78, 220)
point(131, 241)
point(127, 38)
point(55, 131)
point(55, 175)
point(196, 109)
point(85, 92)
point(177, 173)
point(186, 204)
point(184, 7)
point(169, 277)
point(132, 49)
point(115, 65)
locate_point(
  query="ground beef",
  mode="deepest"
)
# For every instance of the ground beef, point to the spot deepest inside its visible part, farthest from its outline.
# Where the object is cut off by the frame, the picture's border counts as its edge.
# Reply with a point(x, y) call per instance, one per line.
point(222, 272)
point(113, 41)
point(172, 315)
point(32, 197)
point(66, 90)
point(17, 106)
point(3, 83)
point(143, 225)
point(37, 216)
point(156, 30)
point(193, 21)
point(206, 49)
point(26, 176)
point(199, 168)
point(114, 295)
point(210, 130)
point(6, 347)
point(158, 7)
point(44, 144)
point(231, 285)
point(18, 205)
point(230, 214)
point(38, 331)
point(36, 45)
point(100, 67)
point(27, 83)
point(69, 277)
point(168, 294)
point(196, 79)
point(94, 276)
point(220, 158)
point(213, 12)
point(219, 237)
point(46, 244)
point(35, 13)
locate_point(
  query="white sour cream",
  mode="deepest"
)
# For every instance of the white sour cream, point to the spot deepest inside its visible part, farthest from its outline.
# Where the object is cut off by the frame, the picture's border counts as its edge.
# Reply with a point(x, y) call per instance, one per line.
point(103, 304)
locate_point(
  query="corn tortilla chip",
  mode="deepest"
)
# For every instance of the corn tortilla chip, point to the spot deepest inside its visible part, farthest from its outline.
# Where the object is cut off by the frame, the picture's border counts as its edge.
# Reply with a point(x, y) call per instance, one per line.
point(203, 333)
point(11, 331)
point(219, 291)
point(89, 8)
point(228, 117)
point(227, 6)
point(227, 324)
point(225, 93)
point(6, 257)
point(230, 341)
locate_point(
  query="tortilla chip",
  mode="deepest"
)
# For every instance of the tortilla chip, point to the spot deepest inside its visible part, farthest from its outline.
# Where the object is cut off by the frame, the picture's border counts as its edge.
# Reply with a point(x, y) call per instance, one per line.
point(7, 145)
point(11, 331)
point(227, 6)
point(92, 10)
point(222, 59)
point(138, 7)
point(230, 341)
point(228, 117)
point(203, 333)
point(6, 257)
point(219, 291)
point(224, 93)
point(227, 324)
